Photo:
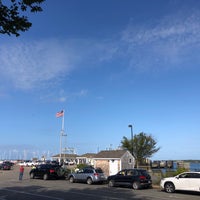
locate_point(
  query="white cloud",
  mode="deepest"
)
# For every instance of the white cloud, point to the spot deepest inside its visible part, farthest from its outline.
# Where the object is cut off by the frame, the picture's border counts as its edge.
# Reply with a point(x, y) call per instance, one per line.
point(28, 65)
point(179, 28)
point(82, 93)
point(35, 64)
point(167, 43)
point(170, 42)
point(62, 95)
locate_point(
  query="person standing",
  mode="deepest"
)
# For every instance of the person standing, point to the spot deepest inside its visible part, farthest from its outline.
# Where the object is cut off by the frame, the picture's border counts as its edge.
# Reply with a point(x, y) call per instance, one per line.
point(21, 172)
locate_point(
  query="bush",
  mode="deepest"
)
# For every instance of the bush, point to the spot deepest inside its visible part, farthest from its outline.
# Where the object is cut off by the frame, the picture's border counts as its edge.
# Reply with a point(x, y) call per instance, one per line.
point(181, 170)
point(81, 166)
point(174, 173)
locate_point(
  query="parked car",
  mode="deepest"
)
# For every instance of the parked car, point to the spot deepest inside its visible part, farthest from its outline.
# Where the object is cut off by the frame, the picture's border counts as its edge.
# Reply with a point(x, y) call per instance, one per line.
point(47, 171)
point(27, 163)
point(11, 164)
point(89, 175)
point(135, 178)
point(188, 181)
point(5, 166)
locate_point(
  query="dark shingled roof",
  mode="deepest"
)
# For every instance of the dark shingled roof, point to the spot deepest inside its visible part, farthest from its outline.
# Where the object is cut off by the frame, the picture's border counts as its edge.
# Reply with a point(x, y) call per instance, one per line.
point(111, 154)
point(88, 155)
point(65, 155)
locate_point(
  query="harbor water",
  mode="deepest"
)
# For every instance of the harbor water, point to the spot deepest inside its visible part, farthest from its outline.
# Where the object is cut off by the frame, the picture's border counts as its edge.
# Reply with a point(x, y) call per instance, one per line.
point(189, 166)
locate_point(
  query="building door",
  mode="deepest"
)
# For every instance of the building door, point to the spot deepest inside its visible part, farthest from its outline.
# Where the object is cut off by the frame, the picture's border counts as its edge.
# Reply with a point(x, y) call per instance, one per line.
point(113, 167)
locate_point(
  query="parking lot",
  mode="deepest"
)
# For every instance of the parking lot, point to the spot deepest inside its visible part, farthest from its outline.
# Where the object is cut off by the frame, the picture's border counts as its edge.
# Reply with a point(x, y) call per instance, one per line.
point(12, 188)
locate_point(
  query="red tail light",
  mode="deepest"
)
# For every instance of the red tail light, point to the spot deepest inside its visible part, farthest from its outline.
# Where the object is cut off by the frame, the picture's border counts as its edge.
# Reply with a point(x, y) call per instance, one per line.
point(96, 174)
point(142, 177)
point(52, 170)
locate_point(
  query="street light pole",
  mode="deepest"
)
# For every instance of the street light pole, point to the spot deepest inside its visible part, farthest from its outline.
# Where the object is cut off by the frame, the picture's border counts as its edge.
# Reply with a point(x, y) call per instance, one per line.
point(131, 126)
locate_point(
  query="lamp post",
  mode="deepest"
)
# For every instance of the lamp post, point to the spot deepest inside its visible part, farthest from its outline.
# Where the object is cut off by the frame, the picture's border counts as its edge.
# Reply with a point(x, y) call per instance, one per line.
point(131, 126)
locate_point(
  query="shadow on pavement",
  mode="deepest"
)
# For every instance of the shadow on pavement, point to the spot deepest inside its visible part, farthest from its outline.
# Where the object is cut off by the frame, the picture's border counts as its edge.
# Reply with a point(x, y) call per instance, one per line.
point(43, 193)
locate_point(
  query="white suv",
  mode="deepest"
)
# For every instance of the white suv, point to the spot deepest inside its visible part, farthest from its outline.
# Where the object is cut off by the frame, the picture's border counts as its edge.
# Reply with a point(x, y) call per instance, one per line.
point(189, 181)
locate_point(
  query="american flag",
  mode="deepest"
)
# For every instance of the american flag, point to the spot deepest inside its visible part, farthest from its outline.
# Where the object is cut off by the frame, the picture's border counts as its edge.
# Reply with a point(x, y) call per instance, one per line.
point(60, 114)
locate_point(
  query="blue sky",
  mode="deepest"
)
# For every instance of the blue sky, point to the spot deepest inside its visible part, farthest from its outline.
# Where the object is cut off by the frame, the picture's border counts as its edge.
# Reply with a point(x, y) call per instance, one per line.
point(108, 64)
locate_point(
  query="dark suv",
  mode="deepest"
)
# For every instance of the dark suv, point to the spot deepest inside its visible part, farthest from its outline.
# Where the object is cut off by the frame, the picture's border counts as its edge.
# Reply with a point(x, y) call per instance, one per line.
point(135, 178)
point(47, 171)
point(5, 166)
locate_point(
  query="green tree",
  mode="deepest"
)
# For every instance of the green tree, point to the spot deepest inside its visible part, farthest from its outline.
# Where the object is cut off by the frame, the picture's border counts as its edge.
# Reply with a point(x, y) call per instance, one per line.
point(12, 20)
point(142, 146)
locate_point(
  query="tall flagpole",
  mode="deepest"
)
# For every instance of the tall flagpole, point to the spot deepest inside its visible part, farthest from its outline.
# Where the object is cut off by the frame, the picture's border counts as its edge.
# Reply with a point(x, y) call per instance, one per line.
point(61, 134)
point(63, 120)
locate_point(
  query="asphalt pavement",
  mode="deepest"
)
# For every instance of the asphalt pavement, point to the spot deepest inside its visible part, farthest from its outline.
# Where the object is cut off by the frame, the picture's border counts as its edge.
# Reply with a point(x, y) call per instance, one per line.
point(28, 189)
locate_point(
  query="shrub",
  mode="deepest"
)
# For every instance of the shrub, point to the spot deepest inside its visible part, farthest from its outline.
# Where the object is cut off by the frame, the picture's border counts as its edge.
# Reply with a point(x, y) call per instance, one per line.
point(81, 166)
point(174, 173)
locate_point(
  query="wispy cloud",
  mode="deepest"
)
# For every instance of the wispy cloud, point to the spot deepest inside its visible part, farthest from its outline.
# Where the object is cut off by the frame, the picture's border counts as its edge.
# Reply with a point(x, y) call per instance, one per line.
point(29, 65)
point(180, 29)
point(167, 43)
point(35, 64)
point(62, 95)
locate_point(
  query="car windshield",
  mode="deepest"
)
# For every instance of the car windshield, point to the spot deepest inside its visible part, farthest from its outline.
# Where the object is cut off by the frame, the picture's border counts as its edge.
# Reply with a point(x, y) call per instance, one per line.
point(121, 173)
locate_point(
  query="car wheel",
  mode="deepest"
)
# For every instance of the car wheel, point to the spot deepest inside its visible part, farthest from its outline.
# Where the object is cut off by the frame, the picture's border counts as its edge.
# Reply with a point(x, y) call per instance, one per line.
point(32, 176)
point(71, 179)
point(111, 183)
point(136, 186)
point(45, 177)
point(169, 187)
point(89, 181)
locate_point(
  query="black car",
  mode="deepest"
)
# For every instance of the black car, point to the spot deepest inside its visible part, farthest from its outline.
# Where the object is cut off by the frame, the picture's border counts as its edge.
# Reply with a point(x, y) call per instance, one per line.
point(5, 166)
point(47, 171)
point(135, 178)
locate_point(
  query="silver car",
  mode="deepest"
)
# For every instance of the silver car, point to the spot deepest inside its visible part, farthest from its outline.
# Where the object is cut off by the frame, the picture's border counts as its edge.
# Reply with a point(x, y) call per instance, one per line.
point(88, 175)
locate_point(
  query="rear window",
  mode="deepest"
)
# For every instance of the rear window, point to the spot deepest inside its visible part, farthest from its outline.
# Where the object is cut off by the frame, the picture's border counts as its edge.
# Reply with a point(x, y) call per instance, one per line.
point(99, 170)
point(143, 172)
point(195, 175)
point(46, 166)
point(87, 171)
